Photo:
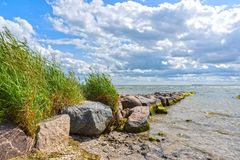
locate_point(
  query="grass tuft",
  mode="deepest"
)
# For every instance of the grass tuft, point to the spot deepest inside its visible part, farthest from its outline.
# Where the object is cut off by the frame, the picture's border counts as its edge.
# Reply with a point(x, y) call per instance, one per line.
point(98, 87)
point(31, 87)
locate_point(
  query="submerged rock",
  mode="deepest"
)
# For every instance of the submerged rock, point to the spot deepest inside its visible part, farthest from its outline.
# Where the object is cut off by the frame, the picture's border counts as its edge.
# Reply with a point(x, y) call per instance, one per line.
point(53, 134)
point(13, 142)
point(138, 120)
point(89, 119)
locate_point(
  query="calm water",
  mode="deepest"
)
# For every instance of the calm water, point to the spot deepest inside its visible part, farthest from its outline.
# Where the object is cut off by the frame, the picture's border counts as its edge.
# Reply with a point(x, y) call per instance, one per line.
point(214, 115)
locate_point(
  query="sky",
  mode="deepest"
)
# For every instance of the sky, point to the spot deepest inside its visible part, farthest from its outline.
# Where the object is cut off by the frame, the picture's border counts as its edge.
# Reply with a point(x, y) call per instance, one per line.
point(136, 42)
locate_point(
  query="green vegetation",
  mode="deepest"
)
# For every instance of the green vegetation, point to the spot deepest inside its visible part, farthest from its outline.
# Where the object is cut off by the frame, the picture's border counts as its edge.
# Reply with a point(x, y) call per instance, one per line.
point(152, 139)
point(162, 134)
point(238, 97)
point(186, 94)
point(121, 125)
point(157, 109)
point(98, 87)
point(72, 149)
point(161, 110)
point(31, 87)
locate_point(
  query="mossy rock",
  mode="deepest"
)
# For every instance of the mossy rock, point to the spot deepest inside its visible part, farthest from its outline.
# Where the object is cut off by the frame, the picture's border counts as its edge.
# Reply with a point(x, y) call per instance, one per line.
point(171, 102)
point(161, 110)
point(152, 139)
point(137, 129)
point(152, 109)
point(162, 134)
point(186, 94)
point(157, 109)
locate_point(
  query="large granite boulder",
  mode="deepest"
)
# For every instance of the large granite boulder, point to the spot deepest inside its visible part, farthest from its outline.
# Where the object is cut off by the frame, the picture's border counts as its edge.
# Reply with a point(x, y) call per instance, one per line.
point(138, 120)
point(90, 118)
point(130, 102)
point(13, 142)
point(53, 134)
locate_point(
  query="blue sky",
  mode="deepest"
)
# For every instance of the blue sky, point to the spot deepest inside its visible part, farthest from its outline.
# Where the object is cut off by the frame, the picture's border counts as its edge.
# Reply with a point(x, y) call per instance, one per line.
point(136, 42)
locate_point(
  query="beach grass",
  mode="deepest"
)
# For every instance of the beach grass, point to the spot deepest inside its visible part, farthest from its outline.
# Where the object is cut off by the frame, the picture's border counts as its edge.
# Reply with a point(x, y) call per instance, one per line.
point(98, 87)
point(32, 88)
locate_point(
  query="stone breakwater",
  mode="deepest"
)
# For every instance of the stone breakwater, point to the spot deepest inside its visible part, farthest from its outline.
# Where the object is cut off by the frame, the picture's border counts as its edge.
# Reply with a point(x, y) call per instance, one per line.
point(134, 110)
point(91, 119)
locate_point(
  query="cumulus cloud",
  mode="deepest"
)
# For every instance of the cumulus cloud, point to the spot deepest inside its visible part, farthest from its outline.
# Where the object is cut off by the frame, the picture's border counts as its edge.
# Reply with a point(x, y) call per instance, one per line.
point(25, 32)
point(132, 39)
point(184, 41)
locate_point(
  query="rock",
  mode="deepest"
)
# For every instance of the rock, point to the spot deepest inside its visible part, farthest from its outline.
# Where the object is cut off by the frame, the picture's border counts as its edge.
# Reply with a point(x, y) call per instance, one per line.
point(89, 119)
point(13, 142)
point(53, 134)
point(126, 113)
point(146, 101)
point(163, 100)
point(130, 102)
point(138, 120)
point(177, 97)
point(161, 110)
point(119, 115)
point(170, 101)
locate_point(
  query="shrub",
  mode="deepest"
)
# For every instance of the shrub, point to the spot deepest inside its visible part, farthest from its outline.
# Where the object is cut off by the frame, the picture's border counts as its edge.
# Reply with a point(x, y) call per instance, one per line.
point(31, 87)
point(98, 87)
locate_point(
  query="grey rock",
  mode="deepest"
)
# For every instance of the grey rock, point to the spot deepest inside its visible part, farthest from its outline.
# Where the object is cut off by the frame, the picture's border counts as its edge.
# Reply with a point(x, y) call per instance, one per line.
point(13, 142)
point(53, 134)
point(130, 102)
point(138, 120)
point(146, 101)
point(90, 118)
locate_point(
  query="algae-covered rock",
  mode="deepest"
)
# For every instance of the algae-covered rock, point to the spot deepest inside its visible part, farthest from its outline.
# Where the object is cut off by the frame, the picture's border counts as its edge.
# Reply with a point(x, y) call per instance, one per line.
point(152, 139)
point(157, 109)
point(162, 134)
point(186, 94)
point(161, 110)
point(170, 101)
point(138, 120)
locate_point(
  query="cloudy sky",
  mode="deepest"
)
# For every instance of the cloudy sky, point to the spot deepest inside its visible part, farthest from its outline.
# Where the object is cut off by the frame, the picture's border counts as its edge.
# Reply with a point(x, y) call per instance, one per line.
point(136, 42)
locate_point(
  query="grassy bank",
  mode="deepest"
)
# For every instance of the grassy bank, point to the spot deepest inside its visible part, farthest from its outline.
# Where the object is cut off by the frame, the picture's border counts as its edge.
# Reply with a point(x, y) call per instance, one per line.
point(31, 87)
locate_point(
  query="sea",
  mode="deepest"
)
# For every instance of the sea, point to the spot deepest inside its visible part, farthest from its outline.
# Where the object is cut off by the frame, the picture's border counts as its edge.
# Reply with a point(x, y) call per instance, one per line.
point(208, 121)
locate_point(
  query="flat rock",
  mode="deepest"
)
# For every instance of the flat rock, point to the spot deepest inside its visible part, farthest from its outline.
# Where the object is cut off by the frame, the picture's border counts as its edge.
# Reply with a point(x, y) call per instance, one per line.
point(90, 118)
point(53, 134)
point(146, 101)
point(138, 120)
point(130, 102)
point(13, 142)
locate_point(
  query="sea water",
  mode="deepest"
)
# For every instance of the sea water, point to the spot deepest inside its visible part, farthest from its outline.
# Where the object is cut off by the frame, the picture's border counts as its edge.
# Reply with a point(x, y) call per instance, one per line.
point(208, 121)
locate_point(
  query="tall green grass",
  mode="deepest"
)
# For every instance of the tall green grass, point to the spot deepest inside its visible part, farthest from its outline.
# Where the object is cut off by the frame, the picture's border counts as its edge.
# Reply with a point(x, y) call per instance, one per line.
point(31, 87)
point(98, 87)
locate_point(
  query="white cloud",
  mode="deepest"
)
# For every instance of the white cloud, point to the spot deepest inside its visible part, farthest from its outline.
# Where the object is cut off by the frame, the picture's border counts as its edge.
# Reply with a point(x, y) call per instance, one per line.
point(130, 39)
point(24, 31)
point(129, 36)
